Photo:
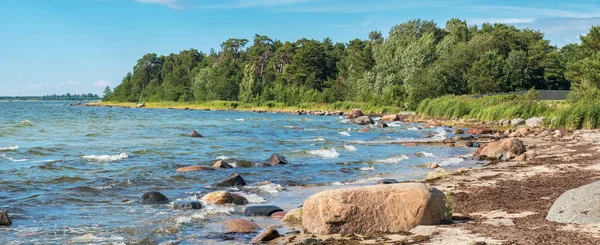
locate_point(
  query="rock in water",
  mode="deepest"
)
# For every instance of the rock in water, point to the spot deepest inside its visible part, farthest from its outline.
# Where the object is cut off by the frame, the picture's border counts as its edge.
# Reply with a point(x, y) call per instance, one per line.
point(141, 105)
point(578, 206)
point(224, 163)
point(364, 120)
point(232, 180)
point(386, 181)
point(241, 226)
point(154, 197)
point(187, 205)
point(390, 118)
point(275, 159)
point(4, 219)
point(294, 216)
point(195, 134)
point(354, 113)
point(266, 236)
point(374, 209)
point(381, 125)
point(224, 197)
point(194, 168)
point(505, 147)
point(261, 210)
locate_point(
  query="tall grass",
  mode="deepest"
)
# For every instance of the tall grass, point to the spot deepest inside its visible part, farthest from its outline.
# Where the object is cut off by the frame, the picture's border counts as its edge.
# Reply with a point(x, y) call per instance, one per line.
point(583, 114)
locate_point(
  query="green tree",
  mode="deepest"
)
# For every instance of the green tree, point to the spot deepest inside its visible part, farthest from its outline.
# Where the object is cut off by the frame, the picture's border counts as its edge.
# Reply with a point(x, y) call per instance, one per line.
point(487, 75)
point(107, 94)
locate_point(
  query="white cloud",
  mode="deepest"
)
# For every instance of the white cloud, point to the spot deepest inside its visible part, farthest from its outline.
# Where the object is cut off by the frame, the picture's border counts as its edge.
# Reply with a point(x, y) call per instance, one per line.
point(67, 83)
point(36, 86)
point(174, 4)
point(101, 83)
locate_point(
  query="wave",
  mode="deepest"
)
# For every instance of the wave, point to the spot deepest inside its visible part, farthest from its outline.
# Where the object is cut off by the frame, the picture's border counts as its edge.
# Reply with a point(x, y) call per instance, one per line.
point(395, 159)
point(326, 153)
point(350, 148)
point(412, 128)
point(25, 123)
point(370, 168)
point(222, 157)
point(441, 134)
point(344, 133)
point(10, 148)
point(207, 210)
point(425, 154)
point(270, 188)
point(106, 158)
point(12, 159)
point(239, 120)
point(452, 161)
point(252, 198)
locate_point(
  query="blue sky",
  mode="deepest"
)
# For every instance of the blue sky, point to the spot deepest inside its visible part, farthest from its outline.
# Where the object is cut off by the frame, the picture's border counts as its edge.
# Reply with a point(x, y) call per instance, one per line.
point(80, 46)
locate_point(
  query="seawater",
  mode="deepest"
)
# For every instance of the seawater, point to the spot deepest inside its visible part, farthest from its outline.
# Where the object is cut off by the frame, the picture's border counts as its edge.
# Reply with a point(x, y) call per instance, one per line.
point(72, 174)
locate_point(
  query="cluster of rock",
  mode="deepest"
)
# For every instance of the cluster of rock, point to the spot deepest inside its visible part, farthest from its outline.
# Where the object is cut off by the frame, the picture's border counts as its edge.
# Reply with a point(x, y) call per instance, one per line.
point(318, 113)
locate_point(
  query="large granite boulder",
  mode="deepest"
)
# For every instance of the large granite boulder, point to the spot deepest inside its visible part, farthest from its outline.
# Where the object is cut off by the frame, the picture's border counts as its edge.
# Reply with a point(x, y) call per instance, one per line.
point(374, 209)
point(354, 113)
point(266, 235)
point(275, 159)
point(231, 181)
point(503, 148)
point(294, 216)
point(261, 210)
point(224, 197)
point(241, 226)
point(578, 206)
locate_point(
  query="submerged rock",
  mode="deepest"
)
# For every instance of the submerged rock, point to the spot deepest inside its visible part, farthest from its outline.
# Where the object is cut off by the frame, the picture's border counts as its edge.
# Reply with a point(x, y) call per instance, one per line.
point(241, 226)
point(381, 125)
point(386, 181)
point(232, 180)
point(154, 197)
point(354, 113)
point(364, 120)
point(261, 210)
point(195, 134)
point(4, 219)
point(275, 159)
point(294, 216)
point(187, 205)
point(267, 235)
point(194, 168)
point(226, 163)
point(374, 209)
point(577, 206)
point(224, 197)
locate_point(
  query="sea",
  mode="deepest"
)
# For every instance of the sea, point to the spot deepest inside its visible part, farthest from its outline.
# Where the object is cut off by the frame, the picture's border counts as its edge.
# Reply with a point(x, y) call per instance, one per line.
point(75, 174)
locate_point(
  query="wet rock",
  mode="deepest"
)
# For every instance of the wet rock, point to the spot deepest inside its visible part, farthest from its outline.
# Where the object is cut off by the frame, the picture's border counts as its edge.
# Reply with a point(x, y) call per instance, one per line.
point(195, 168)
point(261, 210)
point(365, 130)
point(463, 143)
point(433, 165)
point(354, 113)
point(195, 134)
point(265, 236)
point(438, 173)
point(517, 122)
point(224, 197)
point(275, 159)
point(277, 215)
point(381, 125)
point(373, 209)
point(226, 163)
point(478, 131)
point(534, 122)
point(433, 123)
point(458, 131)
point(364, 120)
point(508, 148)
point(310, 241)
point(241, 226)
point(294, 216)
point(187, 205)
point(232, 180)
point(4, 219)
point(577, 206)
point(459, 138)
point(390, 118)
point(293, 232)
point(140, 105)
point(386, 181)
point(154, 197)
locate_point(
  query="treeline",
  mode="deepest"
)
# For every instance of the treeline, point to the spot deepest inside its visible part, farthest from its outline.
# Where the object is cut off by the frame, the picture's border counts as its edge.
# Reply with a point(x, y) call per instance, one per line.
point(417, 60)
point(67, 96)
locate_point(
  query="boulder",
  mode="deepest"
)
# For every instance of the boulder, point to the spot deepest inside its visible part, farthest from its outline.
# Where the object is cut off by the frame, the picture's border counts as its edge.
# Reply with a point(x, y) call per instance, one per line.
point(187, 205)
point(241, 226)
point(277, 215)
point(478, 131)
point(226, 163)
point(459, 138)
point(577, 206)
point(381, 125)
point(438, 173)
point(4, 219)
point(462, 170)
point(515, 135)
point(432, 123)
point(232, 180)
point(463, 143)
point(294, 216)
point(364, 120)
point(261, 210)
point(154, 197)
point(505, 147)
point(504, 122)
point(458, 131)
point(390, 118)
point(265, 236)
point(224, 197)
point(386, 181)
point(517, 122)
point(354, 113)
point(523, 131)
point(275, 159)
point(195, 134)
point(195, 168)
point(141, 105)
point(433, 165)
point(374, 209)
point(534, 122)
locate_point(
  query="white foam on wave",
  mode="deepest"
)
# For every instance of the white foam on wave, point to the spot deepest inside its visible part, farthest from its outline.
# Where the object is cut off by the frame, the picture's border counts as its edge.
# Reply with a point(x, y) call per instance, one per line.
point(10, 148)
point(441, 134)
point(411, 128)
point(344, 133)
point(350, 148)
point(425, 154)
point(395, 159)
point(252, 198)
point(106, 158)
point(326, 153)
point(452, 161)
point(270, 188)
point(239, 120)
point(5, 157)
point(207, 210)
point(370, 168)
point(395, 124)
point(26, 122)
point(222, 157)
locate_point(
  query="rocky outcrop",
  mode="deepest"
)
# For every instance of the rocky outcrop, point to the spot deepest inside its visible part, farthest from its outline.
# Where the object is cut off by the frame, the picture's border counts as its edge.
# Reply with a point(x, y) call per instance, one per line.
point(373, 209)
point(241, 226)
point(578, 206)
point(195, 134)
point(390, 118)
point(503, 149)
point(154, 197)
point(224, 197)
point(232, 180)
point(354, 113)
point(265, 236)
point(294, 216)
point(182, 204)
point(194, 168)
point(276, 159)
point(363, 120)
point(4, 219)
point(261, 210)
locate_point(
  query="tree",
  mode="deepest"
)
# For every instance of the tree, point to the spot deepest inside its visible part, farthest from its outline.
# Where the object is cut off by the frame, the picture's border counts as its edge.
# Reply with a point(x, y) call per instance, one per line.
point(107, 94)
point(487, 75)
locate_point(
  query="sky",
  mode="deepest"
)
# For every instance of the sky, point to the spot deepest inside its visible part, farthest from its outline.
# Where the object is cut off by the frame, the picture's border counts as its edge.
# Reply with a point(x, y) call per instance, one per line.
point(82, 46)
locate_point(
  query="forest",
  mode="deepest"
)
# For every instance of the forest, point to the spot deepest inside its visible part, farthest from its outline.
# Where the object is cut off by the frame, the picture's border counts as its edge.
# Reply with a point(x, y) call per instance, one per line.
point(417, 60)
point(67, 96)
